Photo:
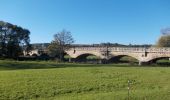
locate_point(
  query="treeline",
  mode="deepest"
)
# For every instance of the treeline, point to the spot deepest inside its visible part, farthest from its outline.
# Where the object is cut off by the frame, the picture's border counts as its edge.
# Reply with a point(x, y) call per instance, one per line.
point(121, 45)
point(45, 45)
point(12, 39)
point(15, 41)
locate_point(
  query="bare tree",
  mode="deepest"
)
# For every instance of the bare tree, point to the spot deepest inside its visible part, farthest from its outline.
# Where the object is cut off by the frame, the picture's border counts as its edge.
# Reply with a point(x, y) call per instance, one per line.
point(62, 41)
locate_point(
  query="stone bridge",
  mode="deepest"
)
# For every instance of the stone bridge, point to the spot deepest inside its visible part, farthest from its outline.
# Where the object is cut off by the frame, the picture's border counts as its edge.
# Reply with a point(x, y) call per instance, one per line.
point(143, 55)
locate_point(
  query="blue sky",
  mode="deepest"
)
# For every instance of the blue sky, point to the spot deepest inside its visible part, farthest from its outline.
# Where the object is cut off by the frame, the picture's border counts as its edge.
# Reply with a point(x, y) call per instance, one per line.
point(90, 21)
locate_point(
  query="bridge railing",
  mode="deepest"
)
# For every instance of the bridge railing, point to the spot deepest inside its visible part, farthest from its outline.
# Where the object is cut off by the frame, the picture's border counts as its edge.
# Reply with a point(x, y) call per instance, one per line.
point(126, 49)
point(158, 50)
point(90, 48)
point(123, 49)
point(116, 49)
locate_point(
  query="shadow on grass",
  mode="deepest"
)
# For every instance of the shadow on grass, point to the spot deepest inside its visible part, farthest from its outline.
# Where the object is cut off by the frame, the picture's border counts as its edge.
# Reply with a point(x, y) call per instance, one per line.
point(17, 65)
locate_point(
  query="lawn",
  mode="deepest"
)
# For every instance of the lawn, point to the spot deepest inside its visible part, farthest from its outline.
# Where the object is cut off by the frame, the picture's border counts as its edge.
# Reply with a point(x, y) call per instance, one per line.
point(52, 81)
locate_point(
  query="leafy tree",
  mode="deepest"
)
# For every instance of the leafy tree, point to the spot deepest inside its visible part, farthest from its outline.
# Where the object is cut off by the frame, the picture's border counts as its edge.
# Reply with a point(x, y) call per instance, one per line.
point(27, 48)
point(164, 41)
point(12, 39)
point(53, 49)
point(62, 41)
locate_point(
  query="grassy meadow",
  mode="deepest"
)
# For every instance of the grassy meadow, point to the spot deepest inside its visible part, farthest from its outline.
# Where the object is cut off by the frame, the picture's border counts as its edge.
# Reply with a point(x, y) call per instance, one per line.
point(52, 81)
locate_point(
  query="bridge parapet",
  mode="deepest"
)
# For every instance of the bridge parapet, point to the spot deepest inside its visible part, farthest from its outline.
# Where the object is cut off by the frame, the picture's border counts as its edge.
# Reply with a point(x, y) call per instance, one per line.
point(155, 50)
point(115, 49)
point(89, 48)
point(124, 49)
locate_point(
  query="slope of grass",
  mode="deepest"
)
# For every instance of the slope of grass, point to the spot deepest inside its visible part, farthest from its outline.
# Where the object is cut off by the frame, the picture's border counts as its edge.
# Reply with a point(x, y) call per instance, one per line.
point(52, 81)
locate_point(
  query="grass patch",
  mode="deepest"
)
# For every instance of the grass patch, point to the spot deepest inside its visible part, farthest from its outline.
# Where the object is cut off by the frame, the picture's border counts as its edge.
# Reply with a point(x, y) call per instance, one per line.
point(52, 81)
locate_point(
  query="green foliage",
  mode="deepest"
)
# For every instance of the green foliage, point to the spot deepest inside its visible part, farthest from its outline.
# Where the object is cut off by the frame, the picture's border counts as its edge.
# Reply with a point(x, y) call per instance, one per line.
point(53, 49)
point(164, 41)
point(52, 81)
point(165, 62)
point(128, 59)
point(91, 57)
point(12, 37)
point(66, 57)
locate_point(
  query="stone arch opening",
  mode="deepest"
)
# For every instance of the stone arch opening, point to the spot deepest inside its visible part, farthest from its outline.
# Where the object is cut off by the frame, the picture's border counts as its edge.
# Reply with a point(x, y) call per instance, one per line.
point(28, 55)
point(123, 59)
point(160, 61)
point(34, 55)
point(87, 58)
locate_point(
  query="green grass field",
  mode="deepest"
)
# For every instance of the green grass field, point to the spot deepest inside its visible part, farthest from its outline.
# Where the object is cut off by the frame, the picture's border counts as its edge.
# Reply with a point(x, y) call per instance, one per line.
point(52, 81)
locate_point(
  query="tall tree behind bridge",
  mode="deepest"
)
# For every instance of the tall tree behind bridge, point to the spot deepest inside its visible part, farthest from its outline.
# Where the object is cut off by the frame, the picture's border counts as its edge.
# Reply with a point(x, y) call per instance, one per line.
point(12, 39)
point(164, 40)
point(53, 49)
point(62, 41)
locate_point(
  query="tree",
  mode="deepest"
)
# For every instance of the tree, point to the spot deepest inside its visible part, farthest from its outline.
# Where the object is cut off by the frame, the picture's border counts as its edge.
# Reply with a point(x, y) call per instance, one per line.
point(164, 41)
point(53, 49)
point(12, 39)
point(27, 49)
point(62, 41)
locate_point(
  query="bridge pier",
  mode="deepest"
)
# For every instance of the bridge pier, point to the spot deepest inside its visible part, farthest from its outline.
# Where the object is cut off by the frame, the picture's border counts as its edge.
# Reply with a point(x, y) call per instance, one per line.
point(142, 63)
point(100, 61)
point(103, 61)
point(70, 60)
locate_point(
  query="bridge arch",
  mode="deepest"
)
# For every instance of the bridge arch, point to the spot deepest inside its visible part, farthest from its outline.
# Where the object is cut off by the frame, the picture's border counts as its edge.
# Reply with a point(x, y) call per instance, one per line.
point(76, 54)
point(128, 59)
point(87, 54)
point(87, 57)
point(115, 54)
point(154, 58)
point(34, 55)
